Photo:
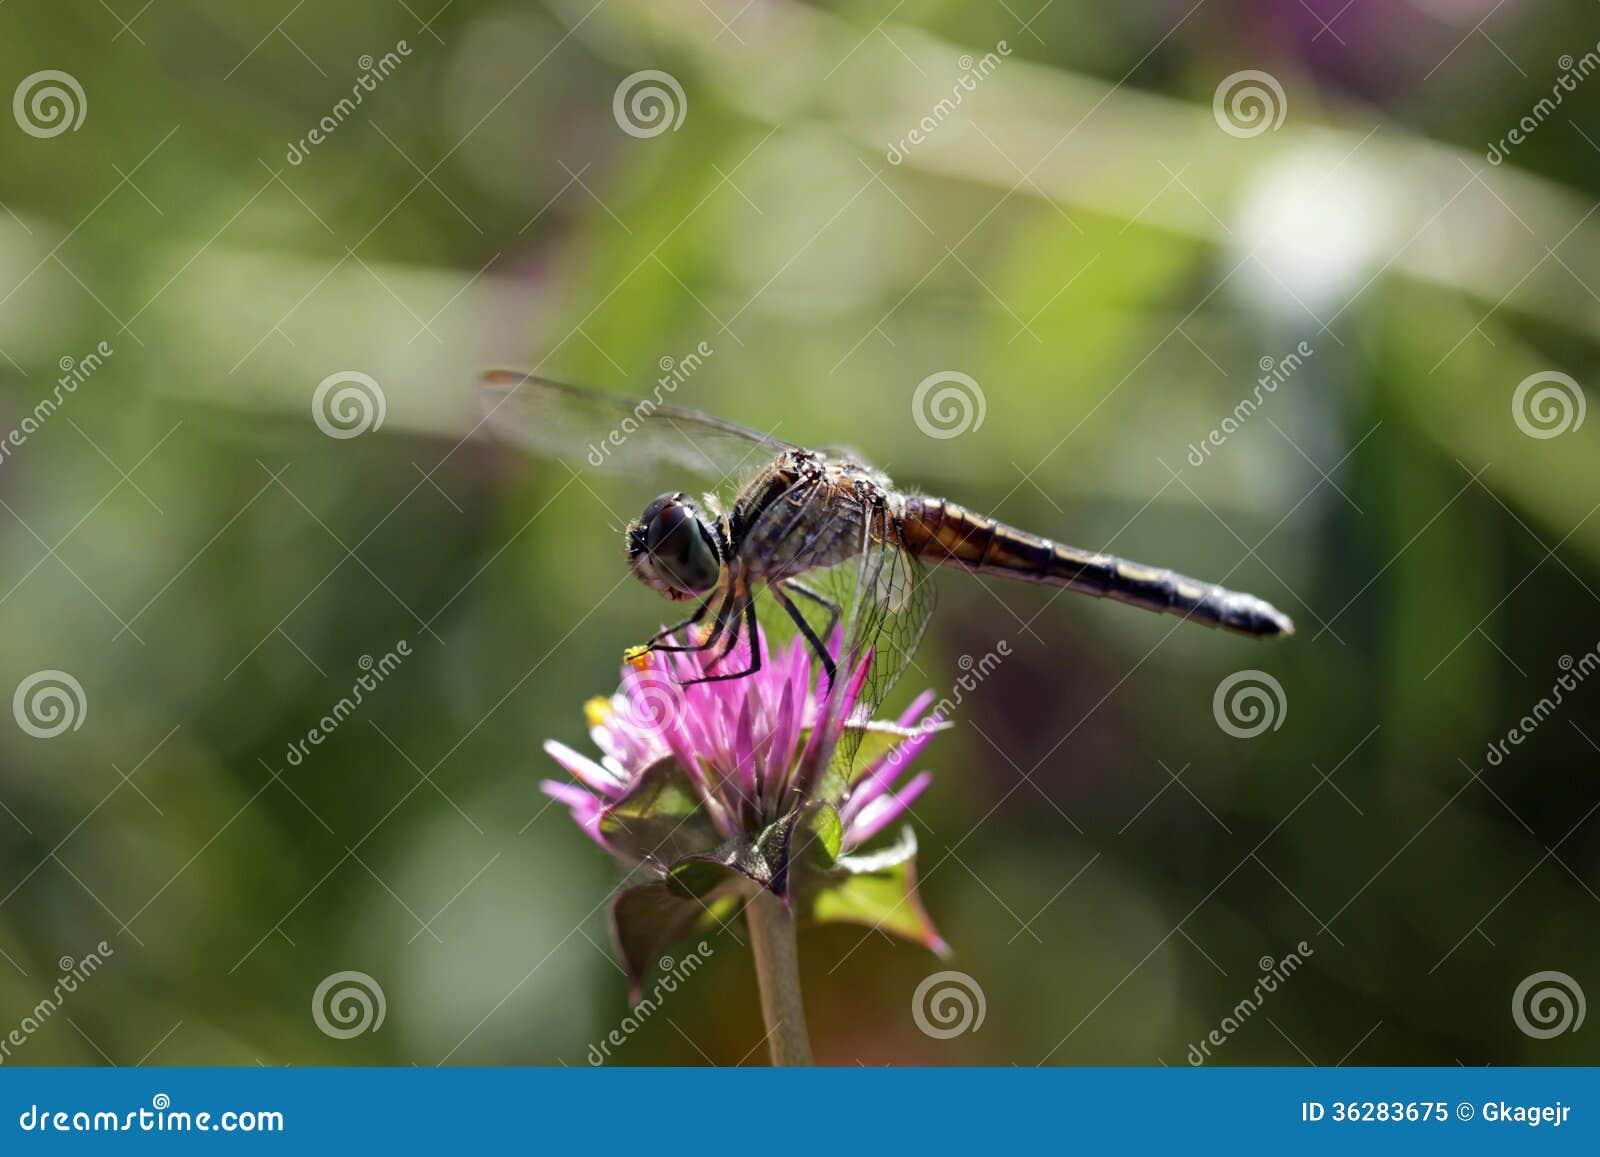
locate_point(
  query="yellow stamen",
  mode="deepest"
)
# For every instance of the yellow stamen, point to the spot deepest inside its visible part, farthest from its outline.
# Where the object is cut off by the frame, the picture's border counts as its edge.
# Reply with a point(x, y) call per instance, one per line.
point(637, 657)
point(597, 711)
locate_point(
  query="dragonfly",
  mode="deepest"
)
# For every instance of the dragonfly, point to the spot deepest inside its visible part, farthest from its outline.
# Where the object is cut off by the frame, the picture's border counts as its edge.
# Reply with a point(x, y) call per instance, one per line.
point(833, 541)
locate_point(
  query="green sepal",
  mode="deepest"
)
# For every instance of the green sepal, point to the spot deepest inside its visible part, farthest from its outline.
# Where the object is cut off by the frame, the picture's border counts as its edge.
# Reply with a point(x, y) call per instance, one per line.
point(762, 859)
point(662, 819)
point(878, 889)
point(651, 917)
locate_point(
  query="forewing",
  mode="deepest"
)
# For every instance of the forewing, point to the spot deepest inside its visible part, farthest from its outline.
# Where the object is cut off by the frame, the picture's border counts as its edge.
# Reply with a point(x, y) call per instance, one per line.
point(883, 595)
point(591, 428)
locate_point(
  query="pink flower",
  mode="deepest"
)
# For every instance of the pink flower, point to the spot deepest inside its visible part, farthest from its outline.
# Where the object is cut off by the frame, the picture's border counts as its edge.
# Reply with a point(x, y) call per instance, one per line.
point(709, 791)
point(742, 743)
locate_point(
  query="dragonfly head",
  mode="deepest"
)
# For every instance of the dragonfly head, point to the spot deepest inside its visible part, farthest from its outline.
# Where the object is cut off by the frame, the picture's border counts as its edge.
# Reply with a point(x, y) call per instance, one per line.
point(673, 550)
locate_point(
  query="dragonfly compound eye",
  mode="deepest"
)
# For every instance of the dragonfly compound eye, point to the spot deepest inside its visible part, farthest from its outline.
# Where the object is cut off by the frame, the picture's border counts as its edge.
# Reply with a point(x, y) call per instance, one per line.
point(682, 552)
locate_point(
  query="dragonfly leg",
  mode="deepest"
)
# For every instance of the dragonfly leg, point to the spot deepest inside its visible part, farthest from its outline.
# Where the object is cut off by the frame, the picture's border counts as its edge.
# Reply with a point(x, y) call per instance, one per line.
point(711, 638)
point(806, 630)
point(749, 614)
point(654, 642)
point(820, 599)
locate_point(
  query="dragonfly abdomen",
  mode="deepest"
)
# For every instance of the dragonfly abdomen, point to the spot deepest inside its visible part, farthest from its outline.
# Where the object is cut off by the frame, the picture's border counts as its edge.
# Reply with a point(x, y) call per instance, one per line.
point(943, 532)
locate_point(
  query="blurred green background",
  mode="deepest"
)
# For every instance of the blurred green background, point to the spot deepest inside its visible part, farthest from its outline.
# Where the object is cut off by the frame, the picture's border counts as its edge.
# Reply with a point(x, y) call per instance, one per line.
point(1080, 235)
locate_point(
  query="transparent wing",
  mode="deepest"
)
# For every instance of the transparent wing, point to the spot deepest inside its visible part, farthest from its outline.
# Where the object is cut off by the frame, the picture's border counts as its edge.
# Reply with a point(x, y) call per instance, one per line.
point(605, 431)
point(877, 602)
point(892, 598)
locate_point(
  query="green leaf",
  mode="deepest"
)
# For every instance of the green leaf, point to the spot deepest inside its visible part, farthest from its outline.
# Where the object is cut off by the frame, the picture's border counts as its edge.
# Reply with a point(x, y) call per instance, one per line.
point(878, 889)
point(651, 917)
point(662, 819)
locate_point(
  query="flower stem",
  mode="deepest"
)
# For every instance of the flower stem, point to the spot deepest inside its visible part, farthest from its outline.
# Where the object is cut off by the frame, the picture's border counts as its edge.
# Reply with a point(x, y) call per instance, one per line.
point(772, 943)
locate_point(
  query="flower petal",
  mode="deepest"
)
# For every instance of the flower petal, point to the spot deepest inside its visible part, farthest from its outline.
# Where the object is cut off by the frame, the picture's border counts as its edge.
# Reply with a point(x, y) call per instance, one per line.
point(918, 706)
point(781, 753)
point(881, 776)
point(744, 751)
point(586, 769)
point(877, 815)
point(585, 808)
